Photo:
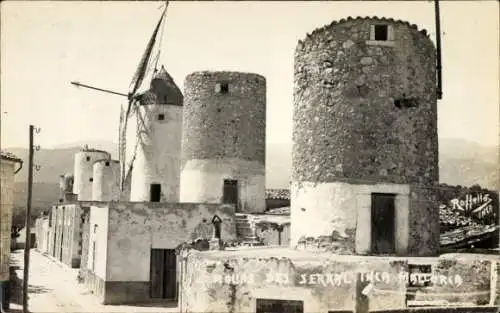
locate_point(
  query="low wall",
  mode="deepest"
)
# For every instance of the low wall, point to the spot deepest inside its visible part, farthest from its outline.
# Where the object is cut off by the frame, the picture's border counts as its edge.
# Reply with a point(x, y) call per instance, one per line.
point(232, 281)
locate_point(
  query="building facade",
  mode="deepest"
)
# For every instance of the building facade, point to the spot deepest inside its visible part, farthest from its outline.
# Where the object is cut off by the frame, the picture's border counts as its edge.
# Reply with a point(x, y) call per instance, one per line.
point(131, 248)
point(223, 150)
point(9, 166)
point(365, 144)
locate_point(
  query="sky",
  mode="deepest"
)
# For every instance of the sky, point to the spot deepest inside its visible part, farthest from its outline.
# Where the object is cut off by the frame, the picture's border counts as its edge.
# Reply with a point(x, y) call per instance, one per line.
point(46, 45)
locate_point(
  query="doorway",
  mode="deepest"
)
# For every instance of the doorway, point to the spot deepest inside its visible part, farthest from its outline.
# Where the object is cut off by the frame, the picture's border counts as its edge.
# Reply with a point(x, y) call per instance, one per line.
point(163, 275)
point(155, 192)
point(230, 192)
point(383, 222)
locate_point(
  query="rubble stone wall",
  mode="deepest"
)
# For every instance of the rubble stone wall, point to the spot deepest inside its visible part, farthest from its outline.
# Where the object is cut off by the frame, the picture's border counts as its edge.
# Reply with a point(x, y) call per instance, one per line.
point(365, 113)
point(232, 281)
point(224, 138)
point(224, 125)
point(346, 121)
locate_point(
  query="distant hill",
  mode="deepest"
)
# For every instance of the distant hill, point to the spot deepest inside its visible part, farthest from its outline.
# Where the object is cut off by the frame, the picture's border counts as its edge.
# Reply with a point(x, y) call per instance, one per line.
point(57, 161)
point(461, 163)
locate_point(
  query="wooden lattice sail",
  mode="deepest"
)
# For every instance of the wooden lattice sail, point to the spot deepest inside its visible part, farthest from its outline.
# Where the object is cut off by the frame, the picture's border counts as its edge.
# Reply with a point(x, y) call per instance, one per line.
point(140, 83)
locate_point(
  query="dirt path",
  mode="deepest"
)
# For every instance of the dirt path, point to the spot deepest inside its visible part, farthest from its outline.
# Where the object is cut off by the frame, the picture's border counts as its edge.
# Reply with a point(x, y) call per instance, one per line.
point(54, 288)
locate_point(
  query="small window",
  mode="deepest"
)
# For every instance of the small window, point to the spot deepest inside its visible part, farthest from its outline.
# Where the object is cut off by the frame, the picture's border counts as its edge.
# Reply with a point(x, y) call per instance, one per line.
point(405, 103)
point(88, 158)
point(381, 32)
point(107, 163)
point(222, 88)
point(91, 179)
point(161, 117)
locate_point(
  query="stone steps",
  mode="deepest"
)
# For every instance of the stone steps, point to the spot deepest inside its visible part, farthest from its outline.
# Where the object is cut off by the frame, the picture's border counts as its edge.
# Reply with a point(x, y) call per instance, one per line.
point(244, 230)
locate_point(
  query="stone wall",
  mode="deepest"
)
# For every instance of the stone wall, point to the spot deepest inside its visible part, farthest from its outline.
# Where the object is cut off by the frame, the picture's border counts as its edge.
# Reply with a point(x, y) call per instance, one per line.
point(365, 113)
point(231, 281)
point(224, 138)
point(346, 122)
point(424, 233)
point(230, 125)
point(6, 206)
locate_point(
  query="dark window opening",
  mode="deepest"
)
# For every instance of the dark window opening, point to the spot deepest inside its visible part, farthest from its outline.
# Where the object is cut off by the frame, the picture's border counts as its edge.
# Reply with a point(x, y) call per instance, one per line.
point(405, 103)
point(91, 179)
point(164, 99)
point(222, 88)
point(381, 32)
point(230, 192)
point(107, 163)
point(155, 193)
point(383, 222)
point(279, 306)
point(161, 117)
point(87, 158)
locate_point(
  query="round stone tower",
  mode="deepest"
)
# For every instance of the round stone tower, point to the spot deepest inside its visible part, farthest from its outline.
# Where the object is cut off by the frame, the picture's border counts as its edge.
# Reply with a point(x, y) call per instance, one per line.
point(365, 144)
point(83, 171)
point(156, 169)
point(106, 185)
point(223, 151)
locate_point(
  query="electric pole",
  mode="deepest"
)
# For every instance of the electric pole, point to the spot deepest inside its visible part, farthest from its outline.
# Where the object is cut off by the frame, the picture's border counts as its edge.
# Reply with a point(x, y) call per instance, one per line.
point(27, 241)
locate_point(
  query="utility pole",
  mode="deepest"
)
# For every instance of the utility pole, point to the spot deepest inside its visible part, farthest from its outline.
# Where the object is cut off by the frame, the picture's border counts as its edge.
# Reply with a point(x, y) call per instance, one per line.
point(438, 51)
point(27, 241)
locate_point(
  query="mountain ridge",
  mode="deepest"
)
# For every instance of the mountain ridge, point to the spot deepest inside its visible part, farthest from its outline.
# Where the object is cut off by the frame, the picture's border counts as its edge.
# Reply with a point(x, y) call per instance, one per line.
point(461, 163)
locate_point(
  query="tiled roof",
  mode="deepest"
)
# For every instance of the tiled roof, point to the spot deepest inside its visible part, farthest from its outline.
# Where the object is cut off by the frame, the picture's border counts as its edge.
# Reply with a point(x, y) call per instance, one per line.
point(162, 84)
point(278, 194)
point(372, 18)
point(10, 156)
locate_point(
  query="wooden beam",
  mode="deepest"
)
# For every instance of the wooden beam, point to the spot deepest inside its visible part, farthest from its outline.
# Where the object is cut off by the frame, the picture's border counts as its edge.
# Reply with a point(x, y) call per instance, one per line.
point(100, 89)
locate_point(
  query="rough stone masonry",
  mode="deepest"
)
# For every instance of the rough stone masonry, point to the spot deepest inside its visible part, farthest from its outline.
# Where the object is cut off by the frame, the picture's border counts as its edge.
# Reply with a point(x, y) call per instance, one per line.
point(224, 132)
point(365, 113)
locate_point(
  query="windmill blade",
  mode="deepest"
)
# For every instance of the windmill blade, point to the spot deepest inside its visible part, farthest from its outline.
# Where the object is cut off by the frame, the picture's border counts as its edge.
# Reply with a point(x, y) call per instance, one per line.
point(141, 82)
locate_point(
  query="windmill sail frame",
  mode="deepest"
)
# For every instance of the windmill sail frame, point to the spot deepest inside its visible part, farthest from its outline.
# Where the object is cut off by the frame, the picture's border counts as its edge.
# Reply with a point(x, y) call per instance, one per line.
point(141, 77)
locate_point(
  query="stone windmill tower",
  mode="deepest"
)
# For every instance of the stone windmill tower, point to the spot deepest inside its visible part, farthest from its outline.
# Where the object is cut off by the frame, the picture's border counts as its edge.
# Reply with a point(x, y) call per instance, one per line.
point(365, 144)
